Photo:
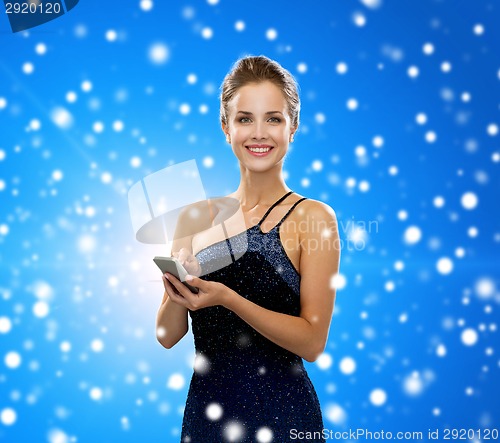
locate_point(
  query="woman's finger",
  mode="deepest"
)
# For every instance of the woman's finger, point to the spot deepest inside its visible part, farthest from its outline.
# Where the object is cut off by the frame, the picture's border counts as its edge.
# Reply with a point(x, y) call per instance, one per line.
point(183, 255)
point(177, 284)
point(198, 282)
point(166, 283)
point(179, 299)
point(174, 295)
point(184, 291)
point(169, 287)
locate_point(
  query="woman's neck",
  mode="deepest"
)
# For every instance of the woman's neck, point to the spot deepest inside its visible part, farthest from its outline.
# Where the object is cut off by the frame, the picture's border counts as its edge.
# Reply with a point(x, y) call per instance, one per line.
point(260, 188)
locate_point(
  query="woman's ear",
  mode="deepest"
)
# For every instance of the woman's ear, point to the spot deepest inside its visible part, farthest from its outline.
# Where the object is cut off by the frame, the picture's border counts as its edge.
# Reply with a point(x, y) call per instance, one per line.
point(292, 133)
point(225, 129)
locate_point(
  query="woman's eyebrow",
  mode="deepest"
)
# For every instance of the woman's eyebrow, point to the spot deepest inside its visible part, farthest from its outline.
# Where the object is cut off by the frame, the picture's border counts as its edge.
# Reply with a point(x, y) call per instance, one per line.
point(267, 113)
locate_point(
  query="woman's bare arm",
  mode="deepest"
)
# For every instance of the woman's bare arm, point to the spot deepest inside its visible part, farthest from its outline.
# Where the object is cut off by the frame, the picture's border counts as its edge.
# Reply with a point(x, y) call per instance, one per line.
point(171, 322)
point(172, 318)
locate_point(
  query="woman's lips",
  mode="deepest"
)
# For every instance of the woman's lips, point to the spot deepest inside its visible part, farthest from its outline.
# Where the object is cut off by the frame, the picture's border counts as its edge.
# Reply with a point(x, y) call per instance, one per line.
point(259, 150)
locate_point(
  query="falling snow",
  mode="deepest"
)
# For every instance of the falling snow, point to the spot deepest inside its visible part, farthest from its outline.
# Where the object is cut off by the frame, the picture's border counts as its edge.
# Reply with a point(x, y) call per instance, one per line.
point(399, 135)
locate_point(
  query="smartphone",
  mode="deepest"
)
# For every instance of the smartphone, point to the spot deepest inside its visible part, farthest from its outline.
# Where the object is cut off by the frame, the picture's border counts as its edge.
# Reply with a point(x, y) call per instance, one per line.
point(174, 267)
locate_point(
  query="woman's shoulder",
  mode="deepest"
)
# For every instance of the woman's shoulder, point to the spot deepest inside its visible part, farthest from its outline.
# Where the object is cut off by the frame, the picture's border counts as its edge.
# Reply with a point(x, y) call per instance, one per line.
point(314, 216)
point(315, 208)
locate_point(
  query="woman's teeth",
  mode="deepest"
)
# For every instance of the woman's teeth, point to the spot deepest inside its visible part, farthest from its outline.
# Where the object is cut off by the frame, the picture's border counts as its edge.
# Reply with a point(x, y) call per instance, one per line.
point(259, 149)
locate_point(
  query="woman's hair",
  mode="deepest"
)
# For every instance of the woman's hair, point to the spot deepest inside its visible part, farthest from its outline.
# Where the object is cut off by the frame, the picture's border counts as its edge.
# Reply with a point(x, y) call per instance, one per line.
point(257, 69)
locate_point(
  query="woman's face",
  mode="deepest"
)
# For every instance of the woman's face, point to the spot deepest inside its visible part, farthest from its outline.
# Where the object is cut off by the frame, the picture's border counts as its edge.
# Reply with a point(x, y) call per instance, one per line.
point(258, 125)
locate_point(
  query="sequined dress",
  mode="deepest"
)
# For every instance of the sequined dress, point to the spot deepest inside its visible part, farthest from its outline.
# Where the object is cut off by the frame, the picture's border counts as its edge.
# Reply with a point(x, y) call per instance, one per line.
point(244, 387)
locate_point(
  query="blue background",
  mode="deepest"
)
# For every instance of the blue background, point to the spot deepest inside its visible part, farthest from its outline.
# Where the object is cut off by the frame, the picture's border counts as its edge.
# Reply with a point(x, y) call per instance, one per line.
point(71, 271)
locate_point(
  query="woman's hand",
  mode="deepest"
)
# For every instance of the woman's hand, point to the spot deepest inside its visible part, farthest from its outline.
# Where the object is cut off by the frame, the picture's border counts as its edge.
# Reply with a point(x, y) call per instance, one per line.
point(189, 261)
point(211, 293)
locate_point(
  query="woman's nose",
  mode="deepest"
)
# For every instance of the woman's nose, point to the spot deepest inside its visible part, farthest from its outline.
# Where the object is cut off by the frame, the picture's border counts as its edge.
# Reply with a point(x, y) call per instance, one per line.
point(260, 130)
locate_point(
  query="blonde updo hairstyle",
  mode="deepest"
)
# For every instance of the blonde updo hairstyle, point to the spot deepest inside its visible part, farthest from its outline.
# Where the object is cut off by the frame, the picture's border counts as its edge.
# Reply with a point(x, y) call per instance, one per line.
point(258, 69)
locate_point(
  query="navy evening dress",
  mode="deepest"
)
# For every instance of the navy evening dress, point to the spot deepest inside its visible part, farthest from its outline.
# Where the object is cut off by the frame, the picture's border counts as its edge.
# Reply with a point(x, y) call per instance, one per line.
point(244, 387)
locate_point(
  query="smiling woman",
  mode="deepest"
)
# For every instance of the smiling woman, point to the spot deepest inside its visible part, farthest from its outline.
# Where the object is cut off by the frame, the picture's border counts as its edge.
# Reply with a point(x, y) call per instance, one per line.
point(259, 131)
point(270, 305)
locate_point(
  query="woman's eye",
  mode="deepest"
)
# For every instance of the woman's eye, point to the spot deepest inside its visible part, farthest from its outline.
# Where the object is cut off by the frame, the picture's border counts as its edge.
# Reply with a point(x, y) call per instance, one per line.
point(249, 120)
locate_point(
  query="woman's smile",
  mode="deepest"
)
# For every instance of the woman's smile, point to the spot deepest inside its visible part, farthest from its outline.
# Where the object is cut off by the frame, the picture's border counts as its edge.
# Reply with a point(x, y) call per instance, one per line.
point(259, 150)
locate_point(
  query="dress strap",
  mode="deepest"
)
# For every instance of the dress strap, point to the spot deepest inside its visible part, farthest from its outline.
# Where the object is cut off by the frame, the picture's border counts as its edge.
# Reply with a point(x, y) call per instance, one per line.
point(290, 210)
point(273, 205)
